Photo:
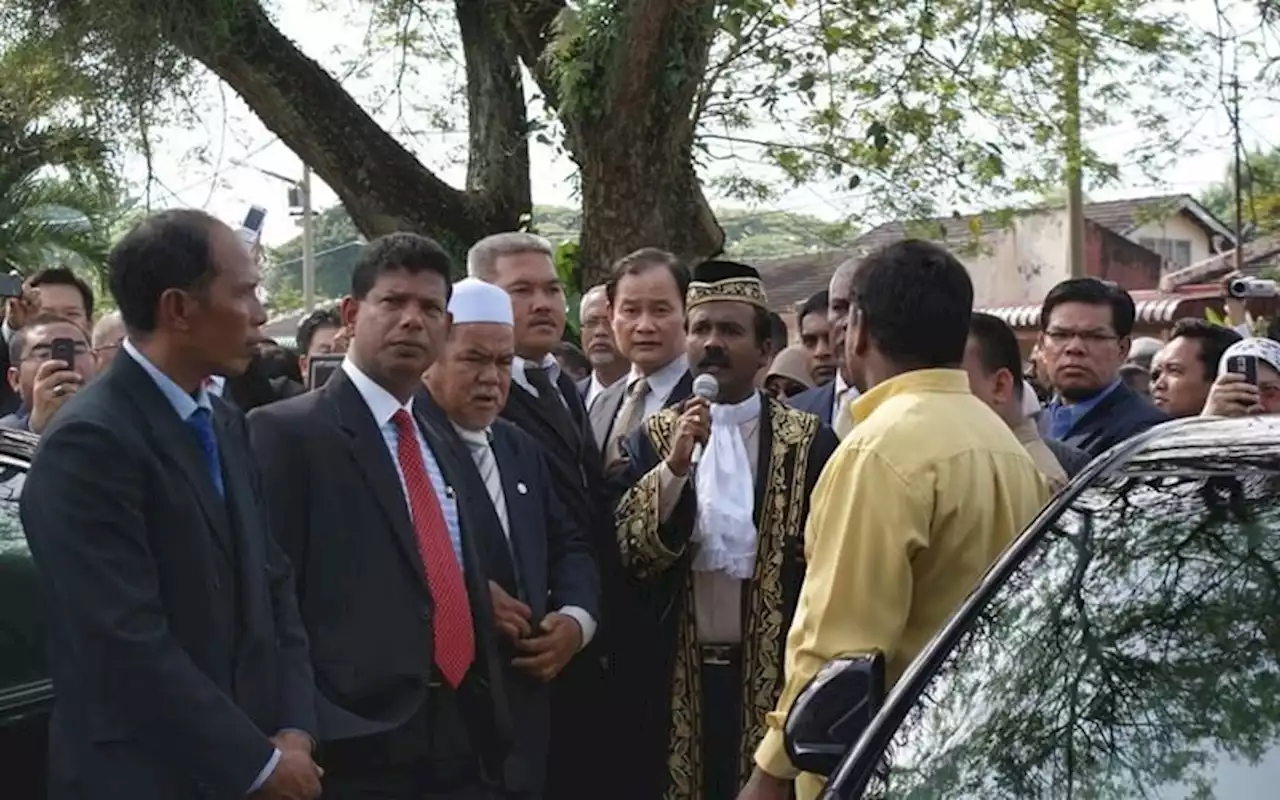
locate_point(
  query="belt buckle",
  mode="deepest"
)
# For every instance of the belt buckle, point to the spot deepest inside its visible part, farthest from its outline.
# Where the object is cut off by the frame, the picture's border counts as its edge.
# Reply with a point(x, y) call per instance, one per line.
point(717, 655)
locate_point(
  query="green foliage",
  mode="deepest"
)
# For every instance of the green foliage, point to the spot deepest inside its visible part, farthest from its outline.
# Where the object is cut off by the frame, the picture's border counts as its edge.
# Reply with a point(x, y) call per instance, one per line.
point(1260, 188)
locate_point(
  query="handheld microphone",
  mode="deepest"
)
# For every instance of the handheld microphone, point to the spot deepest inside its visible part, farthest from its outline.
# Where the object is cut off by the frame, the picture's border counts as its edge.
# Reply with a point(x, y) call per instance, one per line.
point(708, 388)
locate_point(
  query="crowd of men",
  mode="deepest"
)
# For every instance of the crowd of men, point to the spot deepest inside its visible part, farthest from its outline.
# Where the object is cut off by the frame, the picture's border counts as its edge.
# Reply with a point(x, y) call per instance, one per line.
point(471, 566)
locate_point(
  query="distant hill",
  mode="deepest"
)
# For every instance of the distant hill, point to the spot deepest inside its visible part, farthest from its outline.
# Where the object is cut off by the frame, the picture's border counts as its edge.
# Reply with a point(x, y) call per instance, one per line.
point(748, 235)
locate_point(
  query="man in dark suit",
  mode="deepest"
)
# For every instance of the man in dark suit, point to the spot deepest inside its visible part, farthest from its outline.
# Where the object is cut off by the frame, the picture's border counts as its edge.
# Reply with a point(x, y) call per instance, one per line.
point(411, 697)
point(545, 404)
point(830, 401)
point(543, 577)
point(1085, 329)
point(647, 293)
point(178, 656)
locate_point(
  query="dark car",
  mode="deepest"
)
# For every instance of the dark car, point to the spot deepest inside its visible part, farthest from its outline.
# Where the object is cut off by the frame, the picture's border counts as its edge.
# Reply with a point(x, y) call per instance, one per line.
point(1127, 645)
point(26, 693)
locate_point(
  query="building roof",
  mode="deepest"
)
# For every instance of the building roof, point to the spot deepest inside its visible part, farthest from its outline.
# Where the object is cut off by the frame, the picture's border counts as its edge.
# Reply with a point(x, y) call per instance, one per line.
point(1259, 254)
point(1122, 216)
point(1153, 307)
point(788, 282)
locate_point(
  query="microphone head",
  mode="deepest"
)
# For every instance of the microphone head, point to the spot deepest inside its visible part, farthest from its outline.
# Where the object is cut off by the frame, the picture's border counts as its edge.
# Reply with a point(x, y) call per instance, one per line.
point(707, 387)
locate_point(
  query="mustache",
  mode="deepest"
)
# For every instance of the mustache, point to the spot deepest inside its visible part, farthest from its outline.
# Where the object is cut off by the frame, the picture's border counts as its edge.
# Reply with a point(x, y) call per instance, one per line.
point(714, 358)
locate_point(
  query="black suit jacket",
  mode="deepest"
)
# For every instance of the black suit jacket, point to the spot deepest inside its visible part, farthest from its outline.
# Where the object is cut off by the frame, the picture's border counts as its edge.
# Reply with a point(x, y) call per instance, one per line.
point(819, 401)
point(547, 564)
point(1120, 415)
point(339, 511)
point(175, 641)
point(10, 401)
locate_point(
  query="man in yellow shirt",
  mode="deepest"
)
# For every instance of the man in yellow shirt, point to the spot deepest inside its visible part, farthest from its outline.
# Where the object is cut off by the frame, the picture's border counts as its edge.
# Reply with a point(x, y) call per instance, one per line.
point(920, 498)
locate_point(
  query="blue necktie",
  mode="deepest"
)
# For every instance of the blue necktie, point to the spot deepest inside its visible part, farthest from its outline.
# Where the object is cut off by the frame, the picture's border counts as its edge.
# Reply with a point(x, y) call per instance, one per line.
point(201, 421)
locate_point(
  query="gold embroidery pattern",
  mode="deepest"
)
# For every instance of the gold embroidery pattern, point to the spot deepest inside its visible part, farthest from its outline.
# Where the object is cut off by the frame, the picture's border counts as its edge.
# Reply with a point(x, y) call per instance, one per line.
point(781, 520)
point(636, 517)
point(741, 290)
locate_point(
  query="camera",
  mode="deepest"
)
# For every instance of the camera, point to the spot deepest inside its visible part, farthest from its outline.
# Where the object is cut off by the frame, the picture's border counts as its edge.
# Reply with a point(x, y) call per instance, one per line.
point(1242, 288)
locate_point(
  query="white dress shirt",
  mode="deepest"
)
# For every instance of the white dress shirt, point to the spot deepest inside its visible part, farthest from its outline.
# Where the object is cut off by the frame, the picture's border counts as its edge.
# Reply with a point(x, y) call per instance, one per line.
point(383, 407)
point(836, 401)
point(549, 363)
point(661, 384)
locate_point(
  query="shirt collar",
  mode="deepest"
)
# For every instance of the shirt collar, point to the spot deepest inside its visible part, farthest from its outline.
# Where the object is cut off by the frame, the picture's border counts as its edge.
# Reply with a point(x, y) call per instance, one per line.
point(380, 402)
point(595, 386)
point(1027, 431)
point(548, 363)
point(480, 438)
point(918, 381)
point(663, 381)
point(1080, 408)
point(184, 404)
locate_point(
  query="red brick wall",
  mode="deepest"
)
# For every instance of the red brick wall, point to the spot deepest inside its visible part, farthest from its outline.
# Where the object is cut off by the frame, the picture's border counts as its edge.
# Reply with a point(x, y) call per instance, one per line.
point(1111, 257)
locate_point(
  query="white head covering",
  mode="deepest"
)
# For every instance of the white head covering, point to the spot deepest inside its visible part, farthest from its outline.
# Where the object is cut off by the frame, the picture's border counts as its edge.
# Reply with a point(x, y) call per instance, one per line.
point(1265, 350)
point(1030, 401)
point(476, 301)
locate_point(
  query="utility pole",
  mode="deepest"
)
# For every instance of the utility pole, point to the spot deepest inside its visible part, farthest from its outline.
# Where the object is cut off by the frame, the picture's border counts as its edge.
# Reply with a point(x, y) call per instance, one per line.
point(308, 244)
point(1238, 150)
point(1072, 135)
point(299, 197)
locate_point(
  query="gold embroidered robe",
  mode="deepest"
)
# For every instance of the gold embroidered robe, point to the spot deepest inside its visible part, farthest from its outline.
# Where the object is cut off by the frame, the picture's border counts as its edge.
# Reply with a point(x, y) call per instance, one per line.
point(793, 447)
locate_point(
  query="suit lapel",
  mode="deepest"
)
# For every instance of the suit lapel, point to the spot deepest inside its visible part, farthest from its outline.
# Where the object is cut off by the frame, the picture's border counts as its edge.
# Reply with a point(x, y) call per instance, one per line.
point(604, 410)
point(368, 448)
point(242, 506)
point(523, 555)
point(682, 391)
point(178, 442)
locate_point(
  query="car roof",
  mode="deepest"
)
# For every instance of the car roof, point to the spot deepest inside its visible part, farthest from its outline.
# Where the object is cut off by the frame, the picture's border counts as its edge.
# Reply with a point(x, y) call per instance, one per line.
point(1202, 443)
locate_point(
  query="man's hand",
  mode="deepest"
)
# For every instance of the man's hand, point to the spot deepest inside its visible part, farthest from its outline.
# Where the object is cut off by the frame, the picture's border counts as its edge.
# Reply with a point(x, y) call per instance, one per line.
point(296, 776)
point(693, 427)
point(763, 786)
point(511, 616)
point(1232, 396)
point(549, 652)
point(55, 382)
point(18, 311)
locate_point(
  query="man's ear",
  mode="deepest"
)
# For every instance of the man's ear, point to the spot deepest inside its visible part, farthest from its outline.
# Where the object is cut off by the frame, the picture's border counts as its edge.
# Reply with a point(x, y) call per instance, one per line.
point(347, 309)
point(1004, 388)
point(14, 381)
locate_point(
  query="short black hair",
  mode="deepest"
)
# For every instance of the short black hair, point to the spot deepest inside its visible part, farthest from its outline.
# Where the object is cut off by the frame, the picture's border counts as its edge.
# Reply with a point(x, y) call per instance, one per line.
point(1093, 292)
point(915, 300)
point(400, 251)
point(168, 250)
point(778, 333)
point(62, 276)
point(317, 319)
point(18, 340)
point(642, 261)
point(997, 346)
point(1214, 341)
point(816, 304)
point(573, 354)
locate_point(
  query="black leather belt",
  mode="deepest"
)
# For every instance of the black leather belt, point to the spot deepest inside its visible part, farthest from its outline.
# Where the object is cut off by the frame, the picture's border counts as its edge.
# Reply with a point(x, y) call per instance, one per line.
point(720, 655)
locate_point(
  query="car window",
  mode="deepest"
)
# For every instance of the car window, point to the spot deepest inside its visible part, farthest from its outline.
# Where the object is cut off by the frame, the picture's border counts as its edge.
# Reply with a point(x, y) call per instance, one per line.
point(1135, 653)
point(22, 658)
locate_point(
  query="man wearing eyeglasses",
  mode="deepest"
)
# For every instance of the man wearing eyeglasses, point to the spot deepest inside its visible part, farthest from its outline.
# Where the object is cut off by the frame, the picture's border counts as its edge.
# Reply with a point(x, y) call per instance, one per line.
point(42, 382)
point(1086, 326)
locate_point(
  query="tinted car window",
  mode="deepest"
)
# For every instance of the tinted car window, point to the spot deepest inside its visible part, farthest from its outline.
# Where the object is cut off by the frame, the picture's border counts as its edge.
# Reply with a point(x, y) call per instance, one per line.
point(21, 617)
point(1134, 653)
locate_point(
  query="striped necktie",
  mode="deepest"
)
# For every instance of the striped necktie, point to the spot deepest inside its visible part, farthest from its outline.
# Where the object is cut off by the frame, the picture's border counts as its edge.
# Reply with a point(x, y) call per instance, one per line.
point(487, 465)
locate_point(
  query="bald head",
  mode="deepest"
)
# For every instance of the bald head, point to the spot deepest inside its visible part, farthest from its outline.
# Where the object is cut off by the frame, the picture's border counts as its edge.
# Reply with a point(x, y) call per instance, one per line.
point(107, 336)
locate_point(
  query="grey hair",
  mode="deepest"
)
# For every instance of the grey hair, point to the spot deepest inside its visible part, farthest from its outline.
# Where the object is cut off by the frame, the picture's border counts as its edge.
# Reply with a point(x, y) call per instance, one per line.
point(483, 256)
point(105, 325)
point(599, 290)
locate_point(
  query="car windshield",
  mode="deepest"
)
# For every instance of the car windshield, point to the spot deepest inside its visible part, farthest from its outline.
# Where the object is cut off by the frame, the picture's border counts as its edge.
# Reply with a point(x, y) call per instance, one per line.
point(1135, 653)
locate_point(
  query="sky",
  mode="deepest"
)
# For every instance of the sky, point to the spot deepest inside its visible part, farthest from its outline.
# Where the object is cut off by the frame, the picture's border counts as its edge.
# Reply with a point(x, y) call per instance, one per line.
point(219, 165)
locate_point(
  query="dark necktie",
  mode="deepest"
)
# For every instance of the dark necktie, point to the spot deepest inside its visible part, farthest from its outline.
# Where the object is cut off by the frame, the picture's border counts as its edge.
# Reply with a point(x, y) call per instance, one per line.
point(201, 422)
point(453, 635)
point(549, 399)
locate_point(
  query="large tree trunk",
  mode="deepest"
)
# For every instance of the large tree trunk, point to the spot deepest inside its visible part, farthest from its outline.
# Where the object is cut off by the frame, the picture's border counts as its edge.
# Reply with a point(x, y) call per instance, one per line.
point(639, 184)
point(383, 186)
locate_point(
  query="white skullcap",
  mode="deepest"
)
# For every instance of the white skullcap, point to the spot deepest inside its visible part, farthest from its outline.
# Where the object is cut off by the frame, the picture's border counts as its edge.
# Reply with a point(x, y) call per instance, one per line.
point(1030, 401)
point(1265, 350)
point(476, 301)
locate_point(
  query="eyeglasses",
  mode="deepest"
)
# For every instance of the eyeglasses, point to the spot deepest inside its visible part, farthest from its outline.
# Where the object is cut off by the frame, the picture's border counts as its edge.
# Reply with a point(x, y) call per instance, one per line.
point(1062, 336)
point(43, 352)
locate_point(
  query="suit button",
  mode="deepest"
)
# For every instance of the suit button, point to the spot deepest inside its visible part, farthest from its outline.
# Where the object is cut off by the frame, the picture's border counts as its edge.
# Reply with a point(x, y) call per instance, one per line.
point(425, 613)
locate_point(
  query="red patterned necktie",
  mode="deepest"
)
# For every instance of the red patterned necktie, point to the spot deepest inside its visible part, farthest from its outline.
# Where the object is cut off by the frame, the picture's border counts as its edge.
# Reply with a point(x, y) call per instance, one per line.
point(452, 631)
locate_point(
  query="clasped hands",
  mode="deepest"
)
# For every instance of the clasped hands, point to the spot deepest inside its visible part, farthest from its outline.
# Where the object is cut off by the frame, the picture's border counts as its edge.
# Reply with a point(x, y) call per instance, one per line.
point(545, 650)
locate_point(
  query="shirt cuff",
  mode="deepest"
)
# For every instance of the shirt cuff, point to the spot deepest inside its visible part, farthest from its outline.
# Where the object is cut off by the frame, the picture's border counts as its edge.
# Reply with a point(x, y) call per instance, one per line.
point(584, 621)
point(771, 756)
point(266, 771)
point(6, 331)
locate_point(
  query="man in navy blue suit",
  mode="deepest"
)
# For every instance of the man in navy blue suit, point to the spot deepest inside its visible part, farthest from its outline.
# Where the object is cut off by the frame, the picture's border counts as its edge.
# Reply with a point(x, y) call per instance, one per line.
point(830, 401)
point(543, 577)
